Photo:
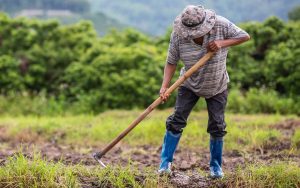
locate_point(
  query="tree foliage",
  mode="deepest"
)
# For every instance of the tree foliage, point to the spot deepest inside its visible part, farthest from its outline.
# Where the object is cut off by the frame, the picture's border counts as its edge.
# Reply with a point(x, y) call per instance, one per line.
point(294, 14)
point(124, 69)
point(270, 59)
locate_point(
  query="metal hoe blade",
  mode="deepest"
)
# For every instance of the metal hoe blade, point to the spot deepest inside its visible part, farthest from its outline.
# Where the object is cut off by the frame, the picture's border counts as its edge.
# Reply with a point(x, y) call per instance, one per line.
point(97, 156)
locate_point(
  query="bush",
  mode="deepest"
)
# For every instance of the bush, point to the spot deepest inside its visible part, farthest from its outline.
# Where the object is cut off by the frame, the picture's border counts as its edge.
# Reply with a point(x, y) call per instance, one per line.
point(10, 77)
point(254, 101)
point(124, 70)
point(261, 101)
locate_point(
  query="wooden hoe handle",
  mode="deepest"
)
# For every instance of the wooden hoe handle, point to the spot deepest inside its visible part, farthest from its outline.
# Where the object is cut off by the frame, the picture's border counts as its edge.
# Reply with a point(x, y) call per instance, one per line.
point(157, 102)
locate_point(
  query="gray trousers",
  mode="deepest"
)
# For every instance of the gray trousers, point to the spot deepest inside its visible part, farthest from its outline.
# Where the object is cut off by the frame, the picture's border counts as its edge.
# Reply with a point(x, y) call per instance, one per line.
point(186, 100)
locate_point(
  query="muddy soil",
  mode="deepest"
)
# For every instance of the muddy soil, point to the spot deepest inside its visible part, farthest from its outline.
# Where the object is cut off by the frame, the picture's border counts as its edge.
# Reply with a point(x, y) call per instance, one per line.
point(187, 162)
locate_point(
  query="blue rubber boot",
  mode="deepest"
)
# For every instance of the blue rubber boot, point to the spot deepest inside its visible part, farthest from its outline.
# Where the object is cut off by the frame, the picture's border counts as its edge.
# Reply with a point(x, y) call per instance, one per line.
point(216, 150)
point(168, 149)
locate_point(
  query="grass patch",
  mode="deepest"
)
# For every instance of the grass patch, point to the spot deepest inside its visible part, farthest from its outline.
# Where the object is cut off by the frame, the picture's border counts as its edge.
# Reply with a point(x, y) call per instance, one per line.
point(296, 139)
point(117, 176)
point(244, 131)
point(279, 174)
point(20, 171)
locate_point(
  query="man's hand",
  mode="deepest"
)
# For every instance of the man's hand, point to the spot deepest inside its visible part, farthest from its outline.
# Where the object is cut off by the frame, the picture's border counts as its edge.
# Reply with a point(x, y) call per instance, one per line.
point(214, 45)
point(163, 95)
point(168, 74)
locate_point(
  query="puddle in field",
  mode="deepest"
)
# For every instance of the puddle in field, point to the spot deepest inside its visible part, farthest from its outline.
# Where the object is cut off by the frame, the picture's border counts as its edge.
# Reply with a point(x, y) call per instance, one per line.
point(187, 163)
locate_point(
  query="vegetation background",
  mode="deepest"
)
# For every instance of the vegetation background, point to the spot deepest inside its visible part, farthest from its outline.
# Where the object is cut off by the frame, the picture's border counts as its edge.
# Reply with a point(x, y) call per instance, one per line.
point(50, 68)
point(75, 73)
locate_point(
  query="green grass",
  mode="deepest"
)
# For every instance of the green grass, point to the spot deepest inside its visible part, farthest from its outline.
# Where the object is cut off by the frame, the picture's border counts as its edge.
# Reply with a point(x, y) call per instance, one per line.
point(244, 131)
point(277, 174)
point(22, 172)
point(296, 139)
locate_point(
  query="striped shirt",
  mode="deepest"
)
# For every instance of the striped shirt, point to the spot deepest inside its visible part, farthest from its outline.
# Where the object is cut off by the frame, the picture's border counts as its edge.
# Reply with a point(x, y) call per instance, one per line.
point(212, 78)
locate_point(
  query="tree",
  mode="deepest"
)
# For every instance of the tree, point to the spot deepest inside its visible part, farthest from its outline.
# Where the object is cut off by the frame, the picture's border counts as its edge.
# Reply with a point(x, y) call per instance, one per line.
point(124, 69)
point(294, 14)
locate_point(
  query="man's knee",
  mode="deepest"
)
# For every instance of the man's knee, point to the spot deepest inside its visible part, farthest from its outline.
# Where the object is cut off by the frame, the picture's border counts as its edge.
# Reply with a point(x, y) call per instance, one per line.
point(175, 123)
point(217, 130)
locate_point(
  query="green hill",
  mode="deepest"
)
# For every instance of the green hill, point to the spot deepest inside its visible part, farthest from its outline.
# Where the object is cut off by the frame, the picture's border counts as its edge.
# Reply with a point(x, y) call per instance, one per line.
point(153, 16)
point(67, 12)
point(101, 22)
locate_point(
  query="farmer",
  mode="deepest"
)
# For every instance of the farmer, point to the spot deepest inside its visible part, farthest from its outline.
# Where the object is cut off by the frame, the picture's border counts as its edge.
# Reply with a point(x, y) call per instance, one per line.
point(195, 32)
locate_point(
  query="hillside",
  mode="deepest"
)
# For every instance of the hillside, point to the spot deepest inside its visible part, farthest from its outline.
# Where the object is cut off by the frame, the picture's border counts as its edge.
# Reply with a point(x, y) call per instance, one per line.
point(67, 12)
point(101, 22)
point(154, 16)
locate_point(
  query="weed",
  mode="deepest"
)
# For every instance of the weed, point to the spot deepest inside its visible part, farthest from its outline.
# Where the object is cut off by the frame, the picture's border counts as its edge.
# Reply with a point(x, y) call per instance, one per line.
point(296, 139)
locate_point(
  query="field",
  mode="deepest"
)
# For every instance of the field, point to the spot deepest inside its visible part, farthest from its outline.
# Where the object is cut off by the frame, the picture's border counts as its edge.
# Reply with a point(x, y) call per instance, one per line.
point(63, 88)
point(260, 151)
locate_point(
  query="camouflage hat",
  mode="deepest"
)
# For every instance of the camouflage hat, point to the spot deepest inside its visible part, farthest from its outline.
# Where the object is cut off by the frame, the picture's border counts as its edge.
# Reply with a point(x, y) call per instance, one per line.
point(194, 21)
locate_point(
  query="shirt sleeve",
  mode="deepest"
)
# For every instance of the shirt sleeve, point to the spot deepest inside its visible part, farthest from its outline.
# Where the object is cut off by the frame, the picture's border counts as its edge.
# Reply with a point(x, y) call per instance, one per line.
point(173, 52)
point(233, 31)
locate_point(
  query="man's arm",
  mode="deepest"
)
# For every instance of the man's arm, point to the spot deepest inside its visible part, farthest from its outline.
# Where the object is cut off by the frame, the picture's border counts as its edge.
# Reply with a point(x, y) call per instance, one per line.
point(168, 74)
point(218, 44)
point(170, 67)
point(233, 35)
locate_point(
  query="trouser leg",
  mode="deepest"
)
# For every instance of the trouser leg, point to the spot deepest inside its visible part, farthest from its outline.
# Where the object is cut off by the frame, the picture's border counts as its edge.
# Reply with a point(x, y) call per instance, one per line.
point(216, 127)
point(185, 101)
point(216, 114)
point(175, 123)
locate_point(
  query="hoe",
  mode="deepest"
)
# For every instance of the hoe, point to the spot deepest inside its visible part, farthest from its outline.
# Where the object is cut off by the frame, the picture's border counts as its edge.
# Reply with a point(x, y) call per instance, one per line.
point(98, 155)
